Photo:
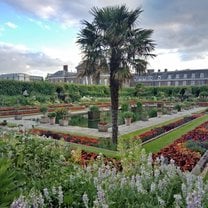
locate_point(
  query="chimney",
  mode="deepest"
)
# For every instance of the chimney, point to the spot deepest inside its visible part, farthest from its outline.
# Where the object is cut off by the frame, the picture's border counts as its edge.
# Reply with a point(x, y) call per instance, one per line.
point(158, 70)
point(166, 70)
point(65, 68)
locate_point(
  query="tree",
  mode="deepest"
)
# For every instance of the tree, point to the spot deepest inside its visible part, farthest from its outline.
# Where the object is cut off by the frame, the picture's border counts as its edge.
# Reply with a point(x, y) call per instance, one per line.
point(113, 40)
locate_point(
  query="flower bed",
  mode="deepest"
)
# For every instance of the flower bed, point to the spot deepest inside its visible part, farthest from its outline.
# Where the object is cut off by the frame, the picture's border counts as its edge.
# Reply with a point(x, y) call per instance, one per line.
point(25, 110)
point(160, 130)
point(67, 137)
point(77, 108)
point(87, 157)
point(185, 155)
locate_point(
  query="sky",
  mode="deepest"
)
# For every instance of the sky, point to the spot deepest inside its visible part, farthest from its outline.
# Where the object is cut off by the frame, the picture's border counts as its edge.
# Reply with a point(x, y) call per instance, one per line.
point(39, 36)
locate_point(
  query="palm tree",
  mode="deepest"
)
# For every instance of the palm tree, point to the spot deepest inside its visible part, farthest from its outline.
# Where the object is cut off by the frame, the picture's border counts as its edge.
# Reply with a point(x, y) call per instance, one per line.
point(113, 40)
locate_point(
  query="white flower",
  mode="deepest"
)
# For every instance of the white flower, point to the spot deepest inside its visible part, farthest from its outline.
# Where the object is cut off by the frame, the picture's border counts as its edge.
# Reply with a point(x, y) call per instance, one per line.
point(85, 200)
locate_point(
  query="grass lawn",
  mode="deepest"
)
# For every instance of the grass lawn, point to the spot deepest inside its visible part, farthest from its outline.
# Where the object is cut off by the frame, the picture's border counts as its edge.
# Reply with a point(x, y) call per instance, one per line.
point(158, 144)
point(107, 153)
point(140, 131)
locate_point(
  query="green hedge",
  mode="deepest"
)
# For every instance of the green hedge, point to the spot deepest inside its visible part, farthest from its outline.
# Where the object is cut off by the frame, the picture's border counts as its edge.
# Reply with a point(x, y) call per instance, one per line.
point(75, 91)
point(11, 87)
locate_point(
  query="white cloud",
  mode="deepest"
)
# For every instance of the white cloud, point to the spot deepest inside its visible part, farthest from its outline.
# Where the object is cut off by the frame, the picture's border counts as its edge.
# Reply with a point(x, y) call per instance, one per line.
point(171, 60)
point(180, 26)
point(11, 25)
point(69, 54)
point(19, 58)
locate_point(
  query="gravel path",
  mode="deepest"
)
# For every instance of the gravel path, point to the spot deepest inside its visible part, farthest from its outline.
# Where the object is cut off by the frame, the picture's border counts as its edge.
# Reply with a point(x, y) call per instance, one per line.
point(27, 123)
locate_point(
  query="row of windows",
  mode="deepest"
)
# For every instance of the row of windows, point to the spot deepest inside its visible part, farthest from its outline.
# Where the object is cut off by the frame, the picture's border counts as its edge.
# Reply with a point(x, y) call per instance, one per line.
point(170, 76)
point(176, 83)
point(193, 75)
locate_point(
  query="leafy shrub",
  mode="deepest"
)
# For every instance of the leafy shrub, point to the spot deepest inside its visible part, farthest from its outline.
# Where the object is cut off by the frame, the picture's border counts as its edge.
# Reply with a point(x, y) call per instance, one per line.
point(197, 146)
point(61, 113)
point(43, 109)
point(177, 107)
point(52, 114)
point(78, 120)
point(128, 114)
point(9, 189)
point(152, 113)
point(94, 108)
point(124, 107)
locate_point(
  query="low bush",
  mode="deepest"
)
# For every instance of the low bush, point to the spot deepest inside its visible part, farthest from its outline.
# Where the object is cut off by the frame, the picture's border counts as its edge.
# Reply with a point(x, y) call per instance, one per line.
point(152, 113)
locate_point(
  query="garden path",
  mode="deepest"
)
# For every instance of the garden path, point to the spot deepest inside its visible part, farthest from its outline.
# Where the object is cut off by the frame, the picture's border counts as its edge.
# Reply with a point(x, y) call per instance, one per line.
point(27, 123)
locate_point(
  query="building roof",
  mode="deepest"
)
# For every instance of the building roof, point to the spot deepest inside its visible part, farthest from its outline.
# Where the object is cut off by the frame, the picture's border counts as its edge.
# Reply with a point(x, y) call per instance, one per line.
point(62, 73)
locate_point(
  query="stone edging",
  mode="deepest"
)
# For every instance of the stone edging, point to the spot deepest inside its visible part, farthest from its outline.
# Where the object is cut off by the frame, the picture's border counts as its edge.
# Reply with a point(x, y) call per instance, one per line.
point(199, 167)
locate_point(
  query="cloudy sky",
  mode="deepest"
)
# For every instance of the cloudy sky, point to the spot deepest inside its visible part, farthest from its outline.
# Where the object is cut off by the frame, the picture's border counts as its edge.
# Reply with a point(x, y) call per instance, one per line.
point(38, 36)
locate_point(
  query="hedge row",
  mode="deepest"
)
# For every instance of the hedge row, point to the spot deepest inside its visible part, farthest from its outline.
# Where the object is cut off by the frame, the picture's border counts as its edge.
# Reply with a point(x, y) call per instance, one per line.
point(12, 87)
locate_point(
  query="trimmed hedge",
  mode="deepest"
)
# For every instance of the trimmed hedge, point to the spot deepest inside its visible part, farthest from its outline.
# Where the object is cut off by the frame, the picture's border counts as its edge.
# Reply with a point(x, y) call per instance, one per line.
point(75, 91)
point(12, 87)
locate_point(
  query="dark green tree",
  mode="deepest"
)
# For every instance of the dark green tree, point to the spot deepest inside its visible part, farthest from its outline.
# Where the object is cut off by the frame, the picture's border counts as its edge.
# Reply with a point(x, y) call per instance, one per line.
point(113, 40)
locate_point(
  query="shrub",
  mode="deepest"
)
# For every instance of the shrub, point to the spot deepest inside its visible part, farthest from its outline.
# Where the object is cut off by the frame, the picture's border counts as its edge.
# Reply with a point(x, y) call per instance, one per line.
point(52, 114)
point(124, 107)
point(128, 114)
point(177, 107)
point(9, 189)
point(94, 108)
point(61, 113)
point(152, 113)
point(196, 146)
point(43, 109)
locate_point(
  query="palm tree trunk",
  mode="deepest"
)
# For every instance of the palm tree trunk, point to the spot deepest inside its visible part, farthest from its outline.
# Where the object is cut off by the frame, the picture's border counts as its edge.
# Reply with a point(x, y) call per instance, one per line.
point(114, 89)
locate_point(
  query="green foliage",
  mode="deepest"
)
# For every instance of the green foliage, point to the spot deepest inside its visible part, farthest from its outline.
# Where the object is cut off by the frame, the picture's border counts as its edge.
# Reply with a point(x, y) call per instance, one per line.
point(144, 115)
point(124, 107)
point(94, 108)
point(178, 107)
point(44, 109)
point(8, 183)
point(130, 154)
point(61, 113)
point(158, 144)
point(38, 161)
point(197, 146)
point(139, 106)
point(128, 114)
point(78, 120)
point(52, 114)
point(13, 88)
point(152, 113)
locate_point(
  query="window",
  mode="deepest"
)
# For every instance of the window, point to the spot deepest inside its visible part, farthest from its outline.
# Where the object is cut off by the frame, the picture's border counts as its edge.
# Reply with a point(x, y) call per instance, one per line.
point(176, 83)
point(193, 75)
point(185, 76)
point(169, 76)
point(169, 83)
point(193, 82)
point(201, 75)
point(184, 83)
point(177, 76)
